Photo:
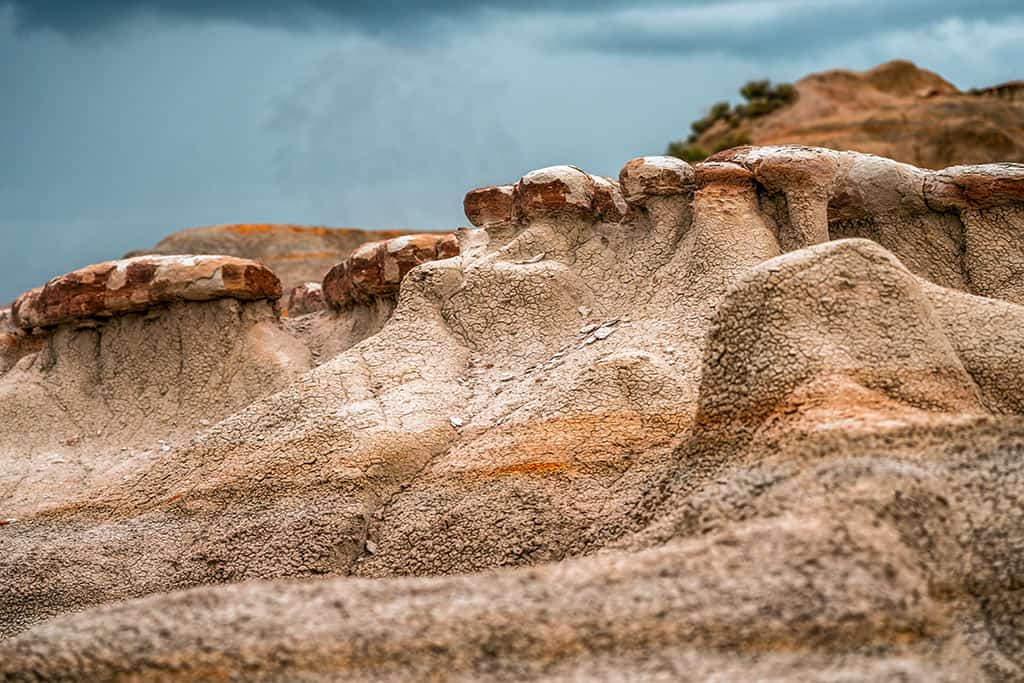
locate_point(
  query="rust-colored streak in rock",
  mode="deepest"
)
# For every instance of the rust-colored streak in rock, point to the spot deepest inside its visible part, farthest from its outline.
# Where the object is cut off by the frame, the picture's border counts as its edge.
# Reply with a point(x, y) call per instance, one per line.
point(487, 206)
point(306, 298)
point(655, 177)
point(609, 203)
point(376, 269)
point(558, 190)
point(136, 284)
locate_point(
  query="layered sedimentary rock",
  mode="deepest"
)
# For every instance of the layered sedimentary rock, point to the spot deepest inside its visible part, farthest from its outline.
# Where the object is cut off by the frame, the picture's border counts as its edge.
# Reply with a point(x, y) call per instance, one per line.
point(296, 253)
point(755, 419)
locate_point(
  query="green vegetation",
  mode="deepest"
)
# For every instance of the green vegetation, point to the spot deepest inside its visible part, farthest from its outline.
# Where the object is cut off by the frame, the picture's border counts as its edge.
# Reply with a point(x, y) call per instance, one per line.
point(761, 97)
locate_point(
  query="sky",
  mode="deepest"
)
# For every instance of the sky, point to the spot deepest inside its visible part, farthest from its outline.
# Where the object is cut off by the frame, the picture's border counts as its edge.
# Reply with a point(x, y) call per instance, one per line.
point(124, 120)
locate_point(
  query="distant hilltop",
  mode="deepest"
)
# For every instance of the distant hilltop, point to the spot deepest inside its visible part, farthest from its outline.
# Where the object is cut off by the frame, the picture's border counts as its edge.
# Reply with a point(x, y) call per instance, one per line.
point(897, 110)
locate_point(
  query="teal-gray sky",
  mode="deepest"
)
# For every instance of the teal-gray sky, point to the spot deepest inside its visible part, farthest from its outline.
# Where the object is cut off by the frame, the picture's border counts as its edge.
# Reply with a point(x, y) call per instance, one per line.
point(123, 120)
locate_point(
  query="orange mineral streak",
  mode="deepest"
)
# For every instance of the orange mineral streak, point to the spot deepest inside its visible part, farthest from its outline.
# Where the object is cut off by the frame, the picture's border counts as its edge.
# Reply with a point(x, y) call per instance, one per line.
point(313, 230)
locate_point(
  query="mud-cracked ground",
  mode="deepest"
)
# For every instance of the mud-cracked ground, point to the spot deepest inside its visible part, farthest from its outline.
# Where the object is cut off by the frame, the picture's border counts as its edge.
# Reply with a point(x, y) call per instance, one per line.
point(753, 419)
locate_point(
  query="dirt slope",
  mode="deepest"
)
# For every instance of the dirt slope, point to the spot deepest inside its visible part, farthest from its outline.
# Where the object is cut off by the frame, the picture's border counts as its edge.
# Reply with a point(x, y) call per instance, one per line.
point(895, 110)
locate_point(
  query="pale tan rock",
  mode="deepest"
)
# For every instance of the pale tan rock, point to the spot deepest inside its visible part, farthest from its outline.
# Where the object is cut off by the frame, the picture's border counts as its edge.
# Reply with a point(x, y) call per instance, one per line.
point(686, 445)
point(655, 176)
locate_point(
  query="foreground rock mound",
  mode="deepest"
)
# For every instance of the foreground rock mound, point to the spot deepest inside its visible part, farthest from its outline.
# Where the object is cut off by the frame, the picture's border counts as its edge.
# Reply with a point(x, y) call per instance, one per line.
point(753, 419)
point(296, 253)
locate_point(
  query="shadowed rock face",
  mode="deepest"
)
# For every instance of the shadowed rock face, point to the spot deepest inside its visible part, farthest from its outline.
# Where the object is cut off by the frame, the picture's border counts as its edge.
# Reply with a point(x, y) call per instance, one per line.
point(756, 419)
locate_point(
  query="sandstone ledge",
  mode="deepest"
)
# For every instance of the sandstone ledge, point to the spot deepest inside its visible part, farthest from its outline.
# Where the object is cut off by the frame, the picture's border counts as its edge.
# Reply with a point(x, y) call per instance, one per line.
point(136, 284)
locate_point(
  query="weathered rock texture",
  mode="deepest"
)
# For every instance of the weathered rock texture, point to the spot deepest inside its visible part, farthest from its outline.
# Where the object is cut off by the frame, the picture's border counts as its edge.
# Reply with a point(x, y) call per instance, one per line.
point(306, 298)
point(895, 110)
point(140, 283)
point(757, 419)
point(130, 356)
point(375, 270)
point(296, 253)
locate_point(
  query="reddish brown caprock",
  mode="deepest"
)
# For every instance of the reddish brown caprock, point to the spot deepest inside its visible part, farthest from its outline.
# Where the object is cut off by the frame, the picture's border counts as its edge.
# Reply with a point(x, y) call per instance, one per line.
point(376, 269)
point(306, 298)
point(106, 289)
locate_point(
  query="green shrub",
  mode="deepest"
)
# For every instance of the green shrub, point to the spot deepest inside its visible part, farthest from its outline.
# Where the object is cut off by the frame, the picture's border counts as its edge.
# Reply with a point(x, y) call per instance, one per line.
point(785, 92)
point(686, 152)
point(730, 140)
point(756, 90)
point(761, 97)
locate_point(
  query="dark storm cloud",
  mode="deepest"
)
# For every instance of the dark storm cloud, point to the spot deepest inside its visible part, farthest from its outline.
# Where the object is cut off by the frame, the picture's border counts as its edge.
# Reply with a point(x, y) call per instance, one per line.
point(754, 29)
point(78, 16)
point(747, 28)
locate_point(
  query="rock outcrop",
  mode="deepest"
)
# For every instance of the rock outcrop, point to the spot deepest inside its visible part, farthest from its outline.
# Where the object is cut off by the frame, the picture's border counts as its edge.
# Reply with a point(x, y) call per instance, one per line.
point(753, 419)
point(134, 354)
point(895, 110)
point(138, 284)
point(375, 270)
point(296, 253)
point(306, 298)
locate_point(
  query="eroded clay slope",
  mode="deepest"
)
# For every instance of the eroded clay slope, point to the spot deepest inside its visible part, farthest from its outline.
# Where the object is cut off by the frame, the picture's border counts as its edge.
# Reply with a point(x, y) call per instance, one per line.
point(738, 445)
point(119, 362)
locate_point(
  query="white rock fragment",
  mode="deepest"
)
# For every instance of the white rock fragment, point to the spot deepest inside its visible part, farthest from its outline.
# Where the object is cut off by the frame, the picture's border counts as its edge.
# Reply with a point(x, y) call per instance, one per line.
point(603, 332)
point(587, 329)
point(532, 259)
point(371, 547)
point(583, 311)
point(455, 421)
point(165, 448)
point(670, 349)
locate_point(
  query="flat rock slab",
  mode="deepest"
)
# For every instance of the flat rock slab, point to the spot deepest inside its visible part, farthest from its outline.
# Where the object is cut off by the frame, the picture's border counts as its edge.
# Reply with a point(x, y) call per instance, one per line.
point(136, 284)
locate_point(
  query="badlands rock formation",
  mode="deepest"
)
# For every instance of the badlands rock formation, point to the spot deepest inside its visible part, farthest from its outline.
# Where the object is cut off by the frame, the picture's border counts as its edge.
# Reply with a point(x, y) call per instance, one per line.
point(296, 253)
point(753, 419)
point(895, 110)
point(306, 298)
